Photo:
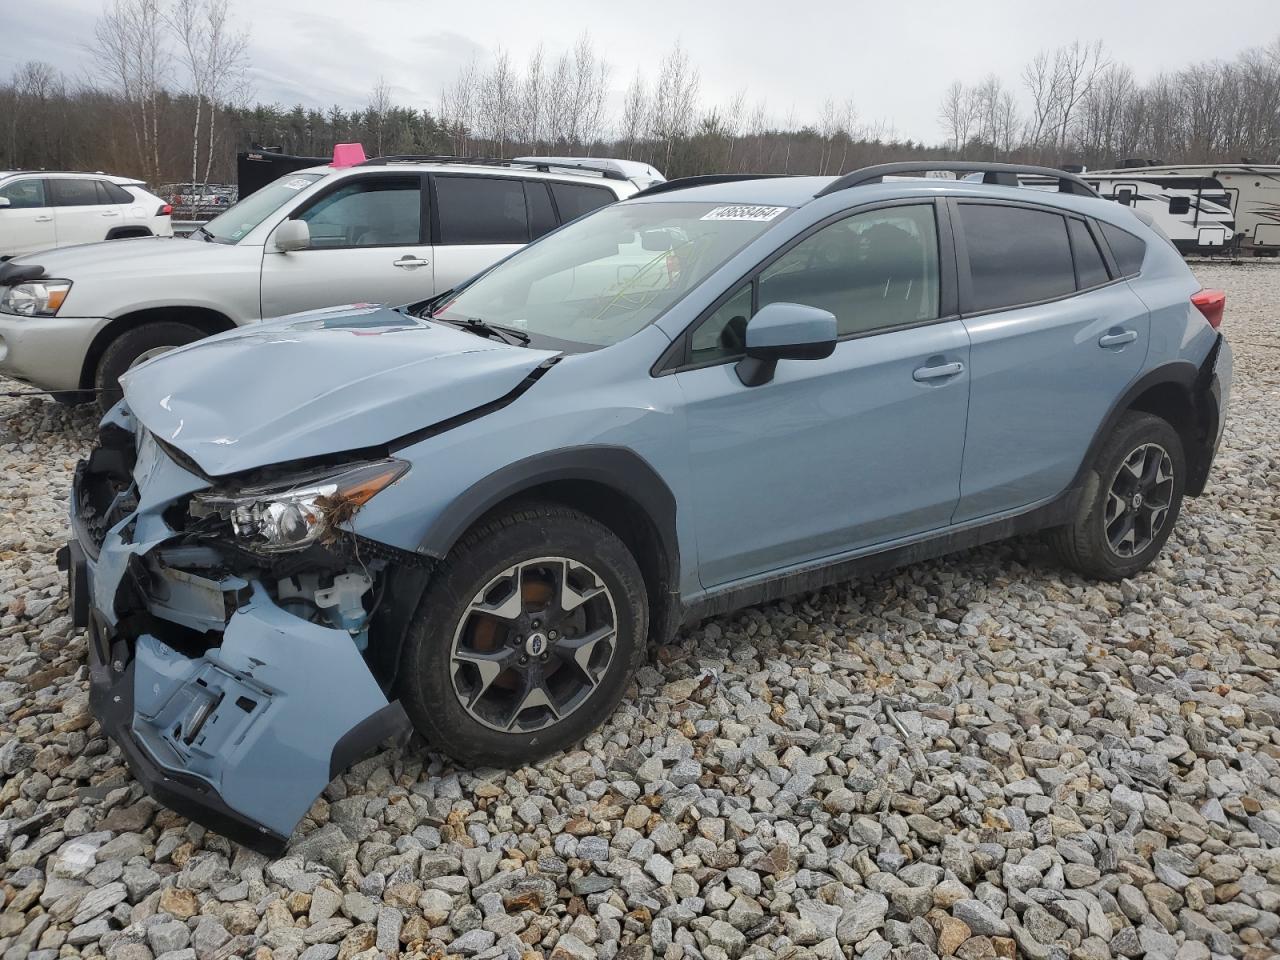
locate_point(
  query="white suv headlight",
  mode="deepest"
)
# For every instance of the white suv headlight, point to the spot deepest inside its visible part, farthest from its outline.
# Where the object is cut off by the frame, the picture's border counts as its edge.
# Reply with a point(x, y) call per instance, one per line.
point(291, 516)
point(35, 298)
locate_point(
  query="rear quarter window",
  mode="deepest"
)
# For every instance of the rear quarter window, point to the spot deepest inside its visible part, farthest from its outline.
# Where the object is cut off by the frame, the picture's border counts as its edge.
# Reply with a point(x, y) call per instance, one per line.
point(1129, 251)
point(573, 200)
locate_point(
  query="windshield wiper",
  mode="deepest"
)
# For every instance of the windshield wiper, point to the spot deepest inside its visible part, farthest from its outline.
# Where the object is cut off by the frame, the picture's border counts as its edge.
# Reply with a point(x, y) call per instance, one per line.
point(489, 330)
point(208, 237)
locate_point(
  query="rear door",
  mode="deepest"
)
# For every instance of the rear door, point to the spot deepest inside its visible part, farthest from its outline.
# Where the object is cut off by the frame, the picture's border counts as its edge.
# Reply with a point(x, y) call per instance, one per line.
point(478, 220)
point(369, 244)
point(26, 224)
point(81, 213)
point(1057, 336)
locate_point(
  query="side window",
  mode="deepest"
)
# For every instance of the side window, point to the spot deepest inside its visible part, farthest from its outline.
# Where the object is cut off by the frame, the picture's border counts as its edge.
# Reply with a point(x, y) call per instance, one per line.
point(1016, 255)
point(24, 194)
point(574, 199)
point(542, 218)
point(1091, 270)
point(67, 192)
point(873, 270)
point(722, 335)
point(367, 212)
point(481, 210)
point(1128, 250)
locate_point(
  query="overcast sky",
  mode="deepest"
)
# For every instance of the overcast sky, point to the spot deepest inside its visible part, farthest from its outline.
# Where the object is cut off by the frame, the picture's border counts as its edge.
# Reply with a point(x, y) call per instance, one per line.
point(893, 59)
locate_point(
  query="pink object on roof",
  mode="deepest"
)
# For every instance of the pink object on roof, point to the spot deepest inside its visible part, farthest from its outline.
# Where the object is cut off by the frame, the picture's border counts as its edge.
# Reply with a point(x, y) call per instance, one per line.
point(347, 155)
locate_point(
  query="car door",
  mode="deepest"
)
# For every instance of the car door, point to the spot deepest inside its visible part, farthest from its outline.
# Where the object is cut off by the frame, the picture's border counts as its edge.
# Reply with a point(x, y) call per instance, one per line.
point(478, 221)
point(26, 224)
point(79, 213)
point(834, 455)
point(369, 244)
point(1055, 342)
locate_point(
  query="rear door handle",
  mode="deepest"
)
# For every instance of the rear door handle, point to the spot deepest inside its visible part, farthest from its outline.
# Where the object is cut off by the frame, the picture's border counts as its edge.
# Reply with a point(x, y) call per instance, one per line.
point(408, 262)
point(111, 213)
point(43, 219)
point(1118, 339)
point(939, 372)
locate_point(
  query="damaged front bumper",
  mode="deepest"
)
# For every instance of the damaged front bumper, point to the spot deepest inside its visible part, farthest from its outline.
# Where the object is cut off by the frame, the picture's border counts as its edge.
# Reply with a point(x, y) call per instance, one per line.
point(229, 705)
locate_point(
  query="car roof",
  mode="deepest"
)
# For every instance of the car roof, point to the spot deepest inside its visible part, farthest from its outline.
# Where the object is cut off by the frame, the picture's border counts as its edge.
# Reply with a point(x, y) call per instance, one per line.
point(787, 191)
point(483, 169)
point(122, 181)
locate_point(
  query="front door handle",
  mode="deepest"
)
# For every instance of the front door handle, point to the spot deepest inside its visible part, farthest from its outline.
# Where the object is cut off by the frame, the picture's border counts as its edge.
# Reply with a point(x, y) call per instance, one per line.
point(1118, 338)
point(938, 372)
point(43, 219)
point(408, 262)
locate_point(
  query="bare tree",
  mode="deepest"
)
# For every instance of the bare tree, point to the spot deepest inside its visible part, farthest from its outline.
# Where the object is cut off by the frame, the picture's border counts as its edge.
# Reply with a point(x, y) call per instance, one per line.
point(531, 106)
point(129, 52)
point(496, 114)
point(213, 54)
point(958, 113)
point(635, 114)
point(380, 104)
point(458, 104)
point(1076, 69)
point(674, 100)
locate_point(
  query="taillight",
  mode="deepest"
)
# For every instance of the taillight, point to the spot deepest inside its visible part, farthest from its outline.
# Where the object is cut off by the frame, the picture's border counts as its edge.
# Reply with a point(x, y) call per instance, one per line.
point(1211, 303)
point(165, 210)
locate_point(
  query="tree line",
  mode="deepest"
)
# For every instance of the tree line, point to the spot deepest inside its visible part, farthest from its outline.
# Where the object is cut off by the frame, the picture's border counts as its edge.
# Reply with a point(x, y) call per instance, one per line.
point(1075, 104)
point(167, 97)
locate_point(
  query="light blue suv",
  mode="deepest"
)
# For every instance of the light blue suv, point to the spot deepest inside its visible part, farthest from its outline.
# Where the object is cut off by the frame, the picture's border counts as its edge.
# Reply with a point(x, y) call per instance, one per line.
point(474, 515)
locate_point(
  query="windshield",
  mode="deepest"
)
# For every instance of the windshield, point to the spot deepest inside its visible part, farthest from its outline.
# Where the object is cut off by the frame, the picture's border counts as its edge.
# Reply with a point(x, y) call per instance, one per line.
point(615, 271)
point(230, 227)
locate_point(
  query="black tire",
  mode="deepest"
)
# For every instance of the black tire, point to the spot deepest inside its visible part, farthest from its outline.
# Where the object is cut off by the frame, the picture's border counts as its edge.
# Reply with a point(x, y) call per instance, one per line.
point(124, 351)
point(523, 533)
point(1084, 544)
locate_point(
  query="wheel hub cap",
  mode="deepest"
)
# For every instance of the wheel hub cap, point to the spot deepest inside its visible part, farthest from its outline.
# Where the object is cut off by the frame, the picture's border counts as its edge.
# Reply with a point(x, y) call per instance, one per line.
point(1138, 500)
point(534, 644)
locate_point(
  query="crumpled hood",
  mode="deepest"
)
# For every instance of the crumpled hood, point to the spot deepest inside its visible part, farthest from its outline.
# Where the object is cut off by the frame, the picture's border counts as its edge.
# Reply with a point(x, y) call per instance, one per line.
point(318, 383)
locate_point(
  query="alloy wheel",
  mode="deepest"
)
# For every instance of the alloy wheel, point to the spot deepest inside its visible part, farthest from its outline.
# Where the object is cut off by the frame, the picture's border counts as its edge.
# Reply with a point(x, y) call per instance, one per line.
point(1138, 500)
point(534, 644)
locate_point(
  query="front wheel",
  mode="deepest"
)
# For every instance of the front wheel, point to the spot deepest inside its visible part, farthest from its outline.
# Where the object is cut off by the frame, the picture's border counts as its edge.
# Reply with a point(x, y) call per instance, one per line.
point(526, 638)
point(1132, 500)
point(134, 347)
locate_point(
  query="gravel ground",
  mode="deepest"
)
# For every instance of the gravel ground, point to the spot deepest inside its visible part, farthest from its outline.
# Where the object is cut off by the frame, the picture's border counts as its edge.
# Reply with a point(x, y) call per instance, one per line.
point(976, 757)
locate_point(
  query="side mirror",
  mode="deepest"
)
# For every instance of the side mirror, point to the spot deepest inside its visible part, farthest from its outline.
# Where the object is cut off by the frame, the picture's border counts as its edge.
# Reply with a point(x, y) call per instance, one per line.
point(4, 202)
point(785, 331)
point(292, 235)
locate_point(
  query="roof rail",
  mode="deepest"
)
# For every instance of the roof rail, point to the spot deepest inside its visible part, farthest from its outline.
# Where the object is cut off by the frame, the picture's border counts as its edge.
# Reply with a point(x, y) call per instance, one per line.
point(1000, 173)
point(702, 180)
point(606, 172)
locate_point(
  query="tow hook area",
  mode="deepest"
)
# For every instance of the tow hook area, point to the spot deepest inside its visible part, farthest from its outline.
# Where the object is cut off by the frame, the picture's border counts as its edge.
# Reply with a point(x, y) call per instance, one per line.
point(268, 717)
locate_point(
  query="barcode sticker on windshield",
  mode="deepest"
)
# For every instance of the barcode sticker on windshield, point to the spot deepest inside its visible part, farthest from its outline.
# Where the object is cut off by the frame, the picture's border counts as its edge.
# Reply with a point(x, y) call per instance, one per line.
point(744, 211)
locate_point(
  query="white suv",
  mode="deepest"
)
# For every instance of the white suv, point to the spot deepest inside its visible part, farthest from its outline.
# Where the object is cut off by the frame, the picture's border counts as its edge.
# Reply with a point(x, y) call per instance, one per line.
point(390, 230)
point(41, 210)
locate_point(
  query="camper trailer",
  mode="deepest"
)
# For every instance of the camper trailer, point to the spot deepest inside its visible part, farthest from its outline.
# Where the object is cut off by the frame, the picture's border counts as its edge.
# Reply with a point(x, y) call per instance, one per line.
point(1193, 211)
point(1252, 191)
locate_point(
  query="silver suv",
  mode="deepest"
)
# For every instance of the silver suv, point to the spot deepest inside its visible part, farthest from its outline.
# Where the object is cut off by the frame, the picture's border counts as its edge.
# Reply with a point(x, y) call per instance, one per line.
point(388, 230)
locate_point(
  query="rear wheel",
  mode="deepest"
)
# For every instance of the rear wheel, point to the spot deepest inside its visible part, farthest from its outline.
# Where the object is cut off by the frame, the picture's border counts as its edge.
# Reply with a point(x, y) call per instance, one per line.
point(526, 638)
point(1134, 496)
point(134, 347)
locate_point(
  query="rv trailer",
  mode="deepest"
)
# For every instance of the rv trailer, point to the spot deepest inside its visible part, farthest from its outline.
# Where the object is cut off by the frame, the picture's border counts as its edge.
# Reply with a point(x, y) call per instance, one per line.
point(1192, 211)
point(1252, 191)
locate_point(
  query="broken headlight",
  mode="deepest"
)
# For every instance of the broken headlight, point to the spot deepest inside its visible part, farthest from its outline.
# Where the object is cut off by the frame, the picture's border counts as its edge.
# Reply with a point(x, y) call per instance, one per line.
point(280, 517)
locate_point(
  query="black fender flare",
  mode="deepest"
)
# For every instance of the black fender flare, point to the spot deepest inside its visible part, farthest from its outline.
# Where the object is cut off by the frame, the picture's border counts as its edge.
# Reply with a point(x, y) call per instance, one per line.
point(1196, 381)
point(620, 469)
